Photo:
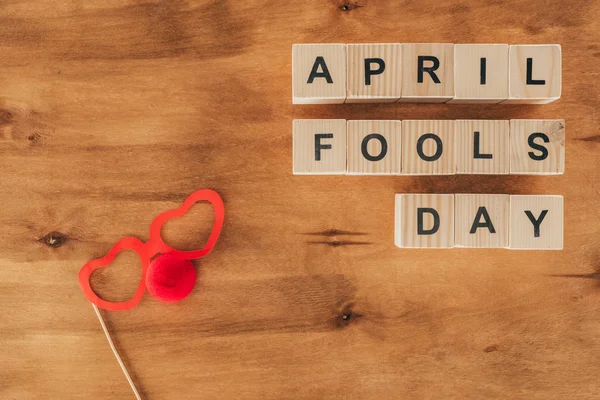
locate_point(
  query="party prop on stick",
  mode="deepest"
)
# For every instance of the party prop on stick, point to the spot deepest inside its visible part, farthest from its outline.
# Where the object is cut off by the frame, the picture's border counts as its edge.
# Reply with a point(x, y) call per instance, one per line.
point(170, 276)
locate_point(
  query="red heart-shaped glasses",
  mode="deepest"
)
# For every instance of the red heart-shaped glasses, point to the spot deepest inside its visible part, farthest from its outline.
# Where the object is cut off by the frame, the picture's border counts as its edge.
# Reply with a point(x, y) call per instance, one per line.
point(155, 245)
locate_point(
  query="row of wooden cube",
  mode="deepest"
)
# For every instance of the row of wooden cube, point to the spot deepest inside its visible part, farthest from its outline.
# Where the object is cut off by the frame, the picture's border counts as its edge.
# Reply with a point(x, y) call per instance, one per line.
point(428, 147)
point(426, 73)
point(523, 222)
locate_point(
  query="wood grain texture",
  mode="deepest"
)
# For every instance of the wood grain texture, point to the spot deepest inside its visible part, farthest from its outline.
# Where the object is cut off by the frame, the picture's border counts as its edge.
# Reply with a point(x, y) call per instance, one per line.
point(383, 162)
point(114, 111)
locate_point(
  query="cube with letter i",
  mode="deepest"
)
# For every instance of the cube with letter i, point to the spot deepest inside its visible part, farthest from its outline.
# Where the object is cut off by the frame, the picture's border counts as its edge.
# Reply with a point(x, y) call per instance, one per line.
point(536, 222)
point(318, 73)
point(319, 146)
point(374, 73)
point(480, 73)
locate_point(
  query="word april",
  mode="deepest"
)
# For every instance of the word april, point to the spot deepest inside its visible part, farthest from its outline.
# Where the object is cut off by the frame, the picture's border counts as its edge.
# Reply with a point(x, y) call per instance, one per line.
point(426, 73)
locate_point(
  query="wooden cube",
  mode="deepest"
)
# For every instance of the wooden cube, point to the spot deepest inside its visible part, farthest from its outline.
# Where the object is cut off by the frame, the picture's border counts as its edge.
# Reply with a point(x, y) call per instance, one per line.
point(319, 73)
point(374, 73)
point(482, 146)
point(537, 146)
point(428, 72)
point(374, 147)
point(534, 73)
point(481, 220)
point(424, 220)
point(319, 146)
point(536, 222)
point(428, 147)
point(480, 73)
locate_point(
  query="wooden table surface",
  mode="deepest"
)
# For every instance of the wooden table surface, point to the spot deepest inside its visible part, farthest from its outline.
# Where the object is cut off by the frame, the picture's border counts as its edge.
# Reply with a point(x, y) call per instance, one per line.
point(114, 111)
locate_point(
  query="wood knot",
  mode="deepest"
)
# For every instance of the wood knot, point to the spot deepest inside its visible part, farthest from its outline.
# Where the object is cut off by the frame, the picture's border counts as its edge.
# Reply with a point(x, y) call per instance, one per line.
point(491, 348)
point(347, 316)
point(54, 239)
point(346, 6)
point(6, 117)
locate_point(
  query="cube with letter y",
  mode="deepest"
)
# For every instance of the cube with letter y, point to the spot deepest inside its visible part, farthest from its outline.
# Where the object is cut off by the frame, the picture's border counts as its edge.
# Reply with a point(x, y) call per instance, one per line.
point(319, 146)
point(319, 73)
point(536, 222)
point(424, 220)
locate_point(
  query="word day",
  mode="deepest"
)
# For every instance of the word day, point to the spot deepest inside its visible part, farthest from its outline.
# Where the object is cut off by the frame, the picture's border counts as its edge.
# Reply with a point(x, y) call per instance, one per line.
point(520, 222)
point(426, 73)
point(428, 147)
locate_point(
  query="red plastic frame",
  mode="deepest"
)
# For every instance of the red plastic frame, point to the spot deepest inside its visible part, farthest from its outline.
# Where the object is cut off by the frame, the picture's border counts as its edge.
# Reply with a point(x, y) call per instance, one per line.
point(152, 247)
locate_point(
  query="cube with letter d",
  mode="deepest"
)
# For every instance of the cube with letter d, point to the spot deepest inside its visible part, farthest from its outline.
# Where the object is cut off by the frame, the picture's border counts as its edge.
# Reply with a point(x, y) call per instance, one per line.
point(424, 220)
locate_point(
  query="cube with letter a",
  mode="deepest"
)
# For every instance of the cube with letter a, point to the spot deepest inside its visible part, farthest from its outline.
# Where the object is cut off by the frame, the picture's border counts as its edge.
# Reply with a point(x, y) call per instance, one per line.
point(318, 73)
point(481, 220)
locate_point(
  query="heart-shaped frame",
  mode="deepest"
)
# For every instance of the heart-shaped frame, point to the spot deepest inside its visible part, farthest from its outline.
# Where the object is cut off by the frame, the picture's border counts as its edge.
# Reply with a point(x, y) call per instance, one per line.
point(127, 243)
point(156, 243)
